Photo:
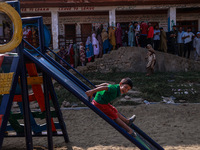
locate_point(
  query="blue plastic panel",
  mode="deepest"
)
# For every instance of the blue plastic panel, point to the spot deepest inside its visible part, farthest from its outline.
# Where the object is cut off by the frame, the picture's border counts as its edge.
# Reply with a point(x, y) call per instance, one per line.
point(60, 75)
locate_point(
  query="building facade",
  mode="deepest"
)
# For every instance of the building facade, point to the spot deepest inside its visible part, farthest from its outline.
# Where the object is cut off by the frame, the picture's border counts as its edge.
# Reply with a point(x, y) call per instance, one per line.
point(74, 20)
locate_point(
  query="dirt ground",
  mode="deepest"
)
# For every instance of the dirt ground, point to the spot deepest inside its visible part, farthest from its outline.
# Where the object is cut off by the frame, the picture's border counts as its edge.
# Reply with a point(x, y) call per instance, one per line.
point(174, 127)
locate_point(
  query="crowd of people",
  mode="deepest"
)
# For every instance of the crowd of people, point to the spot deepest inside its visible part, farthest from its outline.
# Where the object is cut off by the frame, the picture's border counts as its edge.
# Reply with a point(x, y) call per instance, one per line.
point(176, 42)
point(141, 34)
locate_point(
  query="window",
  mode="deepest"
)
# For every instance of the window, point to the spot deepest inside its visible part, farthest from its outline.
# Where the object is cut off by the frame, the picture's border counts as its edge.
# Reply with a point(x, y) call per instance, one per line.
point(185, 24)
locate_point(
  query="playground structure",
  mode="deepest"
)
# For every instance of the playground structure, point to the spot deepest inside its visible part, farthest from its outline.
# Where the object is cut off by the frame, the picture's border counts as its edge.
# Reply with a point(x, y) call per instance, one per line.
point(22, 71)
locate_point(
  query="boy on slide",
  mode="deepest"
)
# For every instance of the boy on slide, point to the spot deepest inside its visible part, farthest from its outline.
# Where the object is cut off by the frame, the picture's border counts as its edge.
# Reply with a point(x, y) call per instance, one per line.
point(105, 93)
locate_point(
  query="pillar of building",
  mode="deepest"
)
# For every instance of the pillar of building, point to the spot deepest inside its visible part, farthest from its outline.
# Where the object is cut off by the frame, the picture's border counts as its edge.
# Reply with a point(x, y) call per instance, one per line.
point(78, 32)
point(112, 17)
point(171, 17)
point(199, 24)
point(54, 29)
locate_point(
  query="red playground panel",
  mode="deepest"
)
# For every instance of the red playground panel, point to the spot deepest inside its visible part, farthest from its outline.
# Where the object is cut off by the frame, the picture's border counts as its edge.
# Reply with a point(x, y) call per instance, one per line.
point(1, 118)
point(37, 90)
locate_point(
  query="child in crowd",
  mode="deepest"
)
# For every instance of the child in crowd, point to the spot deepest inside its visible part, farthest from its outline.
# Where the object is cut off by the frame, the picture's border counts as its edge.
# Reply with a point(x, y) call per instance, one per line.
point(105, 93)
point(151, 58)
point(89, 49)
point(82, 54)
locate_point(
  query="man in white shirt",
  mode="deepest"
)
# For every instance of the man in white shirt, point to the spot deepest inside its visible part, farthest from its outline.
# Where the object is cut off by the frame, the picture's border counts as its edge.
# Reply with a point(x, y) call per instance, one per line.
point(196, 45)
point(180, 42)
point(187, 37)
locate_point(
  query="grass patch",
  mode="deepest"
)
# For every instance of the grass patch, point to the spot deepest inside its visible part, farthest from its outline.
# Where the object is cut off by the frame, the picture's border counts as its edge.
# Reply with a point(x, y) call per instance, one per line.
point(182, 85)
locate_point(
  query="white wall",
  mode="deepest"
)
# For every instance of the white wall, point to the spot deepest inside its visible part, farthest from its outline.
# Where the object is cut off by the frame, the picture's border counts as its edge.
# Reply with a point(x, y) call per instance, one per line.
point(161, 18)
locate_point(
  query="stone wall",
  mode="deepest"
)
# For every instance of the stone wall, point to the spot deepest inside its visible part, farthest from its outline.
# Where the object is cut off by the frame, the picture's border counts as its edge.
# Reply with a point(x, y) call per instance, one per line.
point(132, 59)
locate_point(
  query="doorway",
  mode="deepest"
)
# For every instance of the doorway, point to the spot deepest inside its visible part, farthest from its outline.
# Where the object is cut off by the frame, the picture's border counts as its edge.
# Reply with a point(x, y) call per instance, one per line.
point(86, 30)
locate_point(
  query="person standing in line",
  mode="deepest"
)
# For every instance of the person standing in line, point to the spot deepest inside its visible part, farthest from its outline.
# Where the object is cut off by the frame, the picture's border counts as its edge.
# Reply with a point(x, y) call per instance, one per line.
point(150, 34)
point(89, 49)
point(71, 55)
point(187, 37)
point(95, 45)
point(125, 38)
point(107, 47)
point(163, 41)
point(76, 55)
point(196, 45)
point(131, 35)
point(99, 38)
point(112, 39)
point(137, 33)
point(156, 38)
point(82, 54)
point(118, 36)
point(173, 41)
point(143, 35)
point(180, 42)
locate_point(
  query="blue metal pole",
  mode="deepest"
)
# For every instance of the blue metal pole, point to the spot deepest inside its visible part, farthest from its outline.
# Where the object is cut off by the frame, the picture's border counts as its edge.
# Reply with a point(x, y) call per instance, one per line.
point(45, 84)
point(47, 110)
point(7, 99)
point(57, 109)
point(25, 100)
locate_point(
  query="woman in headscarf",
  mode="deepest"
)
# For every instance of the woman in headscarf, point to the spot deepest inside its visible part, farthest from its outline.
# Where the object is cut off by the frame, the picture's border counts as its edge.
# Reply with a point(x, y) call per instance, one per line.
point(99, 30)
point(112, 36)
point(95, 44)
point(82, 54)
point(118, 35)
point(71, 54)
point(106, 44)
point(131, 35)
point(89, 49)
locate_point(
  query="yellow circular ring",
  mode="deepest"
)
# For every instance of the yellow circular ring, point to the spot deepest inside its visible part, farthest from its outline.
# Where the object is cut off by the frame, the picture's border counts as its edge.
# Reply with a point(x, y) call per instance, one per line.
point(17, 35)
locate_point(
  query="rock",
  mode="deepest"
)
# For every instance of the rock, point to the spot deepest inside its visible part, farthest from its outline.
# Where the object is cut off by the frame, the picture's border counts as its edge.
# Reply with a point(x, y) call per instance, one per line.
point(127, 97)
point(134, 92)
point(182, 101)
point(134, 100)
point(66, 104)
point(74, 105)
point(168, 100)
point(137, 100)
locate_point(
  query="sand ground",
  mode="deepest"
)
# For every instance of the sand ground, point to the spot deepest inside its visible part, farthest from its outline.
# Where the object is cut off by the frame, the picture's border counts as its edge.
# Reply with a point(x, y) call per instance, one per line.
point(174, 127)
